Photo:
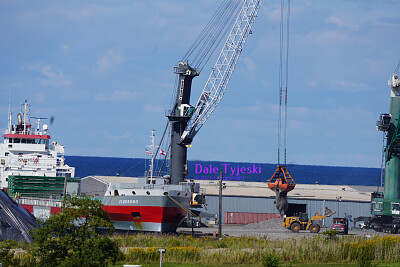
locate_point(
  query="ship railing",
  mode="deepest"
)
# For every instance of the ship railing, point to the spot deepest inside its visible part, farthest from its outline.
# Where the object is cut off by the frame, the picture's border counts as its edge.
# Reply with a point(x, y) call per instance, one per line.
point(44, 202)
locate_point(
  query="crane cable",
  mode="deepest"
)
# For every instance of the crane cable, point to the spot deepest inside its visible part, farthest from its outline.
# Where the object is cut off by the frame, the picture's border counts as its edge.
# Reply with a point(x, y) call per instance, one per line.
point(211, 36)
point(283, 87)
point(396, 70)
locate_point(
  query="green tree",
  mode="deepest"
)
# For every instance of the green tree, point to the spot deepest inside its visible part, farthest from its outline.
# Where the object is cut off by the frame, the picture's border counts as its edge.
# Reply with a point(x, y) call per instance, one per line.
point(78, 236)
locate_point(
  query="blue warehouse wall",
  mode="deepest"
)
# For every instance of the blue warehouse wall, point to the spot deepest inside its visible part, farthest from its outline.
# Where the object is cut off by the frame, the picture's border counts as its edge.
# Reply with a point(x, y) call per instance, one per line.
point(266, 205)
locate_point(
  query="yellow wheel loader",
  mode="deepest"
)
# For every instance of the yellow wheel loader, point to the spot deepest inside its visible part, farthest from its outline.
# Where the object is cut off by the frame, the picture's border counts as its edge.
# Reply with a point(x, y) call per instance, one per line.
point(303, 223)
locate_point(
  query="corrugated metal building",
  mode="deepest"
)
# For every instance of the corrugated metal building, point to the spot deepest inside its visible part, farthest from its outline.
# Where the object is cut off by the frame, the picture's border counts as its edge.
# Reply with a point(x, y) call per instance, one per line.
point(257, 198)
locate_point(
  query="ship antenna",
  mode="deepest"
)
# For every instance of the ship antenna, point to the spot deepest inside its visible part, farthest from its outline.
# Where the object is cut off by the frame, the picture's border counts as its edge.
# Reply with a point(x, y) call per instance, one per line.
point(9, 110)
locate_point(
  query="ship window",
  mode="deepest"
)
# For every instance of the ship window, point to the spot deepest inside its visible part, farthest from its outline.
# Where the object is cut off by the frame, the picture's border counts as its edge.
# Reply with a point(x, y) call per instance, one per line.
point(395, 206)
point(179, 193)
point(133, 193)
point(116, 193)
point(148, 192)
point(6, 154)
point(23, 141)
point(17, 140)
point(136, 215)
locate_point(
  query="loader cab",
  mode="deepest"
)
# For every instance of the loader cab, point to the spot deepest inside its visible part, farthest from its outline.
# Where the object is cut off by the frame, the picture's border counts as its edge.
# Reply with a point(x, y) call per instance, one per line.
point(303, 217)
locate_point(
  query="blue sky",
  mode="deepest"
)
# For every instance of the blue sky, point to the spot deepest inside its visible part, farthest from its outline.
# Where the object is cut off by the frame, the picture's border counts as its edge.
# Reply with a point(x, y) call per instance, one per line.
point(104, 70)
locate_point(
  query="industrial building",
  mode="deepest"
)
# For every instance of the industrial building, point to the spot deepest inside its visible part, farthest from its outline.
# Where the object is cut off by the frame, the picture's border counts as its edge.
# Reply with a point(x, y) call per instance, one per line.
point(256, 198)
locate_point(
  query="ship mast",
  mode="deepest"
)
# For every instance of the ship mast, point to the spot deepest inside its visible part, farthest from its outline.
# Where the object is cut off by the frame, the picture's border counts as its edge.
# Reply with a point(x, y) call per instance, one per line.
point(150, 150)
point(26, 115)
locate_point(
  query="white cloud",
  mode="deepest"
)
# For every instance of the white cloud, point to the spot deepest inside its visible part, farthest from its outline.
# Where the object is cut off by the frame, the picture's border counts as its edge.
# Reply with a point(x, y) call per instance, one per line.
point(342, 23)
point(349, 85)
point(53, 77)
point(274, 14)
point(65, 48)
point(108, 61)
point(250, 65)
point(152, 108)
point(117, 137)
point(49, 75)
point(48, 72)
point(117, 95)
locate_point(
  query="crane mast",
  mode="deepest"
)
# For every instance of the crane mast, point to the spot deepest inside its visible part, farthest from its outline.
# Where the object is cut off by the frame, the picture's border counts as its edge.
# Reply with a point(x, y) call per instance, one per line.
point(385, 206)
point(178, 117)
point(187, 120)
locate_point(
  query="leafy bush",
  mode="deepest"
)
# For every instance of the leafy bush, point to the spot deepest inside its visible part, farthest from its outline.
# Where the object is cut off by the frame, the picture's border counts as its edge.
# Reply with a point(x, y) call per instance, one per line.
point(8, 259)
point(71, 238)
point(270, 260)
point(330, 234)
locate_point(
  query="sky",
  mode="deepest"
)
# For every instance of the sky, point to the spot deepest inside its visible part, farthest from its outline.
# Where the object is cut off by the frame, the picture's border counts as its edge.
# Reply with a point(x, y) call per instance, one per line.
point(104, 71)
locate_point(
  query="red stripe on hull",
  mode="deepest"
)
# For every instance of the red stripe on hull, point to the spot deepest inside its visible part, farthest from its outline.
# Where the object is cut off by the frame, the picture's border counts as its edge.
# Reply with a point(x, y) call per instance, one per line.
point(147, 213)
point(124, 213)
point(53, 210)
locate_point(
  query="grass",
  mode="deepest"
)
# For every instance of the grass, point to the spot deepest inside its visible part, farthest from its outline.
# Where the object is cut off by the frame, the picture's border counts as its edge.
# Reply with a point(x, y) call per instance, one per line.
point(240, 251)
point(260, 265)
point(188, 251)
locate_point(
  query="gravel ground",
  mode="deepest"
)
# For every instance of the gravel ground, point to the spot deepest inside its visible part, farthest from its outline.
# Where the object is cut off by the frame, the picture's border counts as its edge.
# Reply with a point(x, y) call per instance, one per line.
point(271, 229)
point(264, 225)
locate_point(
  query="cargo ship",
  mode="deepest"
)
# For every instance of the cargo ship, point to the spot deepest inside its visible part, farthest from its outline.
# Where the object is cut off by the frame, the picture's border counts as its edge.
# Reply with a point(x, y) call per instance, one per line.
point(33, 171)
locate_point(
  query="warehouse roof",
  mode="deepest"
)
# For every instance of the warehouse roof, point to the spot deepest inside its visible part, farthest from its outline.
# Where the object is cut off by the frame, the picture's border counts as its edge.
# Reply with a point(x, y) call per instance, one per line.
point(301, 191)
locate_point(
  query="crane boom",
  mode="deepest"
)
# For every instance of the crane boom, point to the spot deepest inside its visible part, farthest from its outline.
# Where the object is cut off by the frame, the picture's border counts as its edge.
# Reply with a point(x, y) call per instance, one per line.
point(222, 71)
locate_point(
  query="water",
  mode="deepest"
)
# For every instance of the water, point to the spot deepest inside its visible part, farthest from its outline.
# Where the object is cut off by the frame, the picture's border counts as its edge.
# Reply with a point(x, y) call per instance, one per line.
point(239, 171)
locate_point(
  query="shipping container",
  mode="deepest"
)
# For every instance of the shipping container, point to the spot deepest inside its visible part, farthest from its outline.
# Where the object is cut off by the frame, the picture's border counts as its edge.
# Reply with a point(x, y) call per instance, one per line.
point(248, 217)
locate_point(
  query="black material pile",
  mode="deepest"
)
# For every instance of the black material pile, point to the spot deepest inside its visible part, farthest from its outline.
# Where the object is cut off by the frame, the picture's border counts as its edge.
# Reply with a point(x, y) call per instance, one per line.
point(15, 221)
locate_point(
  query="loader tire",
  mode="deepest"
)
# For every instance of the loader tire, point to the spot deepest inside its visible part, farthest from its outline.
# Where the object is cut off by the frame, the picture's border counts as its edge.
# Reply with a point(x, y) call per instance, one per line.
point(314, 228)
point(295, 227)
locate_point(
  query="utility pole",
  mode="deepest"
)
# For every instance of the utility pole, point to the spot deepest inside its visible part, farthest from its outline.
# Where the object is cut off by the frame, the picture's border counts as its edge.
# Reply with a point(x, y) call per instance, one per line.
point(220, 207)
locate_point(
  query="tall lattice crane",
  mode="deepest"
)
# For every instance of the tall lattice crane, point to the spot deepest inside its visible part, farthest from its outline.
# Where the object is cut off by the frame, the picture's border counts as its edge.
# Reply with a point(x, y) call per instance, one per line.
point(185, 119)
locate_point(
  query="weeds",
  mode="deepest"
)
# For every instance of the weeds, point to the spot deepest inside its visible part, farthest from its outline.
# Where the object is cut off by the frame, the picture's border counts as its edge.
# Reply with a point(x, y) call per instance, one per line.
point(143, 248)
point(330, 234)
point(270, 260)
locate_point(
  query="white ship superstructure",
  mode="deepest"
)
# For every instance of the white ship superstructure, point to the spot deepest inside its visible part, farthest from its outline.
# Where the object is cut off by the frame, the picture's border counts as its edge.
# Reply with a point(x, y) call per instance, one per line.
point(27, 151)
